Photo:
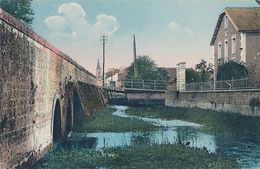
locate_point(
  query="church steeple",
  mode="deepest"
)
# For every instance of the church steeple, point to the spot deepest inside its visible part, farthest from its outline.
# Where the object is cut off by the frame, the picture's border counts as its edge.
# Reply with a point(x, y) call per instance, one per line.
point(98, 65)
point(99, 74)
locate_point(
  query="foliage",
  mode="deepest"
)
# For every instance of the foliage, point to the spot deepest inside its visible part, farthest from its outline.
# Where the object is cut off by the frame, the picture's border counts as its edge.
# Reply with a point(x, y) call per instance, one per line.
point(216, 122)
point(192, 76)
point(231, 70)
point(202, 73)
point(147, 70)
point(20, 9)
point(104, 121)
point(163, 156)
point(142, 156)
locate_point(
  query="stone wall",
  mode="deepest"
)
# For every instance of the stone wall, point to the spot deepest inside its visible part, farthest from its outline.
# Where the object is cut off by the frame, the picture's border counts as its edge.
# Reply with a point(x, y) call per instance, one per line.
point(245, 102)
point(35, 77)
point(145, 98)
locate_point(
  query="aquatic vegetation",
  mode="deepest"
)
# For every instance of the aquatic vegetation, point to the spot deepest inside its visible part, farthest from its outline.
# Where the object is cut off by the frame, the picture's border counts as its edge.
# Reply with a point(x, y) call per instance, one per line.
point(216, 122)
point(104, 121)
point(153, 156)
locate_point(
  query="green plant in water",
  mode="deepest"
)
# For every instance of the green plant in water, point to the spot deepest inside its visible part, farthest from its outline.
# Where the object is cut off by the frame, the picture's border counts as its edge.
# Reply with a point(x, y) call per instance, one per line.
point(105, 121)
point(216, 122)
point(153, 156)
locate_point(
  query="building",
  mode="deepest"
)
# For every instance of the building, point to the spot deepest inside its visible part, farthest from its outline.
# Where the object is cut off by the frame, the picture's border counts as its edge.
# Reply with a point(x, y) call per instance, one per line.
point(99, 74)
point(111, 78)
point(237, 37)
point(122, 76)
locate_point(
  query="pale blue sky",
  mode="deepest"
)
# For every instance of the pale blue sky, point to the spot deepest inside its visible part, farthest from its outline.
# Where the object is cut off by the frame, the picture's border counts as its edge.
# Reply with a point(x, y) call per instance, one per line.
point(170, 31)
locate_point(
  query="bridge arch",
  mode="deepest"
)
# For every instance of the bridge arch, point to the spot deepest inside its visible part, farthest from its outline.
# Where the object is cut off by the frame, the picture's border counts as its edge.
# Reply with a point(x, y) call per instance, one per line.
point(56, 120)
point(78, 111)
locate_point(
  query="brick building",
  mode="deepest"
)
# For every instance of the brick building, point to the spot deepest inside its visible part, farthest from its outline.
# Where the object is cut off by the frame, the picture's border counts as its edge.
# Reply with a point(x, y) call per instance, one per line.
point(237, 37)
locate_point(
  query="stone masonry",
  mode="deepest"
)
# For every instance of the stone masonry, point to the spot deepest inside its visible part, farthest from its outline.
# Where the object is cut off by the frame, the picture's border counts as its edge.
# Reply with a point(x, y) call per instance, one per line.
point(245, 102)
point(34, 77)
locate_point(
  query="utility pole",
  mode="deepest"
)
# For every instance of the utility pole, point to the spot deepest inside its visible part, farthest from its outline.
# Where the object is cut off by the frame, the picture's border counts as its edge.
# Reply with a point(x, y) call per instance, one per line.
point(135, 59)
point(103, 39)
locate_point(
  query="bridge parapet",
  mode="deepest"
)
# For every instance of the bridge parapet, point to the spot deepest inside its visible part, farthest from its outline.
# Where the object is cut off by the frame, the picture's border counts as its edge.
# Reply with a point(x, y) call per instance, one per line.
point(152, 85)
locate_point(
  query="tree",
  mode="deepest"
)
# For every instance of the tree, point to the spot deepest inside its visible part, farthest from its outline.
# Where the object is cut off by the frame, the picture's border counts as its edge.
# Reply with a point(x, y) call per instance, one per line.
point(202, 66)
point(231, 70)
point(205, 70)
point(147, 70)
point(192, 76)
point(20, 9)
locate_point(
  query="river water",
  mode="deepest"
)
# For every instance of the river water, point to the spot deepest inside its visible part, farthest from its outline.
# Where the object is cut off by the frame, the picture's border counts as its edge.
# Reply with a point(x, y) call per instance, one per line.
point(245, 150)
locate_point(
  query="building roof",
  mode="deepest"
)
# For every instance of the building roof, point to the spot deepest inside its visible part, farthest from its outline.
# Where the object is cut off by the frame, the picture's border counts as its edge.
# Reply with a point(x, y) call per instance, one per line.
point(244, 19)
point(111, 72)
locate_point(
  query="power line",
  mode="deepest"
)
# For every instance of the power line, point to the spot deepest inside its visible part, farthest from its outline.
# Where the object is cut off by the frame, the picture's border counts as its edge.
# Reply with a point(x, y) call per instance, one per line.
point(103, 39)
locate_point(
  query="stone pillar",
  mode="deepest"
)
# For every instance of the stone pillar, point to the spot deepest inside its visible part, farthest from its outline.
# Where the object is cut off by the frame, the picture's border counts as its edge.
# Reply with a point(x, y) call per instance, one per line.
point(181, 76)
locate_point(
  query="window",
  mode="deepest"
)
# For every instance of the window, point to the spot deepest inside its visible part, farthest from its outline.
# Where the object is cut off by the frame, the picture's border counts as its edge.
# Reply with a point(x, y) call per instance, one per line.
point(225, 22)
point(226, 49)
point(219, 51)
point(233, 44)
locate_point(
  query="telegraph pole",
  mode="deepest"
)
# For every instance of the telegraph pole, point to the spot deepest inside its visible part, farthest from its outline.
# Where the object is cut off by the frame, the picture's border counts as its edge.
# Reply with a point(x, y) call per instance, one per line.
point(103, 39)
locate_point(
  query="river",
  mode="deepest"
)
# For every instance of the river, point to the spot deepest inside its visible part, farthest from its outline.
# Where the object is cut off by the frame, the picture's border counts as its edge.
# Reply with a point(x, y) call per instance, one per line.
point(245, 150)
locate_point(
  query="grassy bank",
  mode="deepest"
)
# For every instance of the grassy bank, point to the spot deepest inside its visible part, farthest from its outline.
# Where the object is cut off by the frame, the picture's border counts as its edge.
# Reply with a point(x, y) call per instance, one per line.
point(104, 121)
point(217, 122)
point(145, 157)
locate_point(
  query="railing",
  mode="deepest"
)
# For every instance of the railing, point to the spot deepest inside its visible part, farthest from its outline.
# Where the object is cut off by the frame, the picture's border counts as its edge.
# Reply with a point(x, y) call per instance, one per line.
point(236, 84)
point(145, 84)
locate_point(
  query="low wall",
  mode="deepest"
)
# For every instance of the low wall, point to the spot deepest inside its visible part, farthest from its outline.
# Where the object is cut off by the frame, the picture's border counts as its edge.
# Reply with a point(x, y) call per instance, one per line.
point(245, 102)
point(140, 99)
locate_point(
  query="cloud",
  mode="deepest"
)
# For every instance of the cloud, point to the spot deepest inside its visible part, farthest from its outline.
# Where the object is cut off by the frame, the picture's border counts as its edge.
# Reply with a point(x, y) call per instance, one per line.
point(106, 23)
point(188, 31)
point(72, 33)
point(56, 23)
point(174, 26)
point(72, 21)
point(177, 28)
point(72, 9)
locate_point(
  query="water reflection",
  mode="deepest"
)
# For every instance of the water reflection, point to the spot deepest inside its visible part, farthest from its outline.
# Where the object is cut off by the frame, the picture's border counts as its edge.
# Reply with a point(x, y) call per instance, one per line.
point(140, 139)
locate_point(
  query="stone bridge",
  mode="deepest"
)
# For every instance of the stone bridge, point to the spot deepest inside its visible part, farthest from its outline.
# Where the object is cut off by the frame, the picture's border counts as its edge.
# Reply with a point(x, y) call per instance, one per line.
point(40, 91)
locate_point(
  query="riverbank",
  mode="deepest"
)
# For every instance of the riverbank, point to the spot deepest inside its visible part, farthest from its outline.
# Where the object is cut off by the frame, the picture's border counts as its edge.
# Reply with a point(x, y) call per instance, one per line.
point(105, 121)
point(214, 122)
point(155, 156)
